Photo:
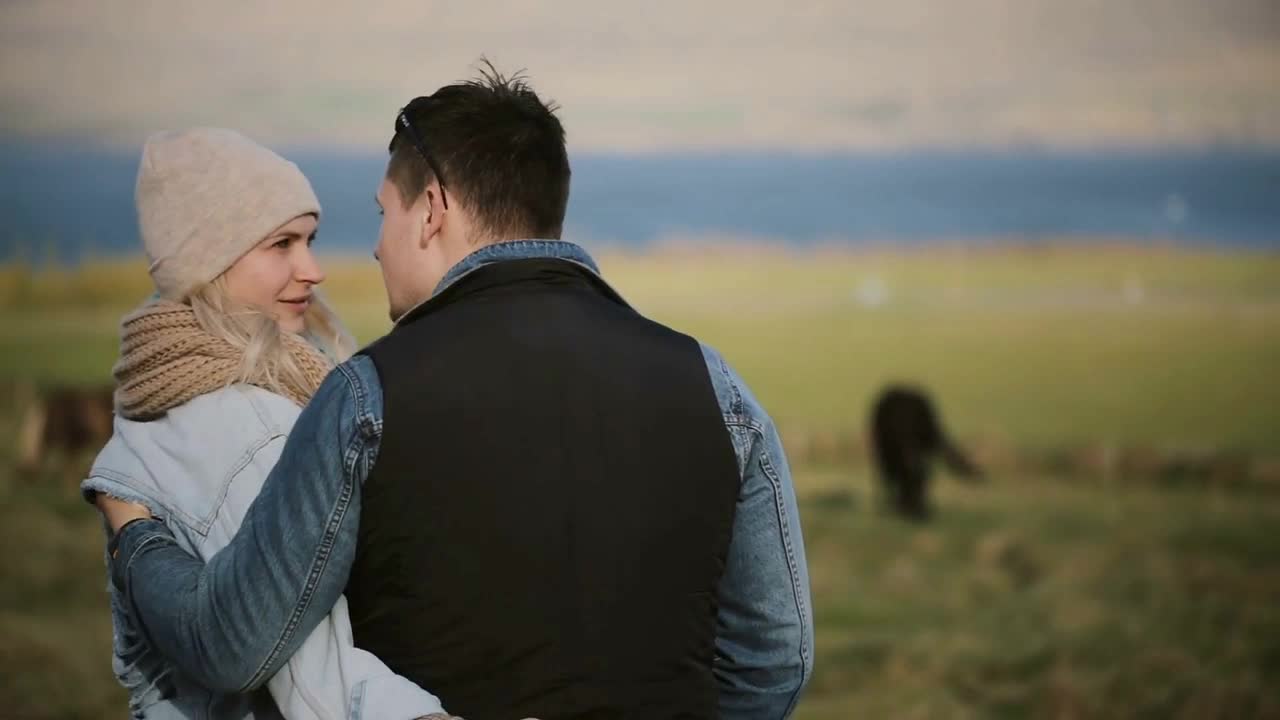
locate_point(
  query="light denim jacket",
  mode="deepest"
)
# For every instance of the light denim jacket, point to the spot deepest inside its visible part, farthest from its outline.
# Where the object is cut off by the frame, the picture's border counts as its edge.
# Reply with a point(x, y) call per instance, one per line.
point(233, 621)
point(200, 467)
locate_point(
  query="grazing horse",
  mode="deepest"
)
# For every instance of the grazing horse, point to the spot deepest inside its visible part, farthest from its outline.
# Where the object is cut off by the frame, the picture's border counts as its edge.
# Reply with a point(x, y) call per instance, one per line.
point(66, 421)
point(906, 437)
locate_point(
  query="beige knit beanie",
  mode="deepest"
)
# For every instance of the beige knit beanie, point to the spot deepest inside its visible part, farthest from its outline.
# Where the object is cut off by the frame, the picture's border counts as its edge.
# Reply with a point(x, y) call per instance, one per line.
point(205, 197)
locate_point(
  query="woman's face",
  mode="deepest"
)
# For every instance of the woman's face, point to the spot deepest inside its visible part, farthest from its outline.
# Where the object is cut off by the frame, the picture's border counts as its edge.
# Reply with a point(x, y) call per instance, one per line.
point(278, 274)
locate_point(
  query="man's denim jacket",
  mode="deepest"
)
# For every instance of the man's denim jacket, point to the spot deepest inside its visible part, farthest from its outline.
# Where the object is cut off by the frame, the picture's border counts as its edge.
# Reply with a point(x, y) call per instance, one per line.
point(233, 622)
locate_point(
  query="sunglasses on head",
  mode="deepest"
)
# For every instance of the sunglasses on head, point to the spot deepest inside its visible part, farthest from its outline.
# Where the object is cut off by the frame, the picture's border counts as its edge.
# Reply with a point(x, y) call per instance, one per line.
point(404, 124)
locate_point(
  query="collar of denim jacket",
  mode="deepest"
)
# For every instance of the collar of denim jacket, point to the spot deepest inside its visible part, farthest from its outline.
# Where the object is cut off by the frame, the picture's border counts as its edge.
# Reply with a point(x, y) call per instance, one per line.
point(513, 250)
point(517, 250)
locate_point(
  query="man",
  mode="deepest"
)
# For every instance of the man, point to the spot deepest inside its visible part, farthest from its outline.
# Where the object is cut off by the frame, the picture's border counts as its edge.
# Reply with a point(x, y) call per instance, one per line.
point(565, 510)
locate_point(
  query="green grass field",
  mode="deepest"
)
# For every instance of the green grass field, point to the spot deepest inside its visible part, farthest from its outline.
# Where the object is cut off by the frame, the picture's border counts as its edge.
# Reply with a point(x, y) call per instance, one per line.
point(1030, 596)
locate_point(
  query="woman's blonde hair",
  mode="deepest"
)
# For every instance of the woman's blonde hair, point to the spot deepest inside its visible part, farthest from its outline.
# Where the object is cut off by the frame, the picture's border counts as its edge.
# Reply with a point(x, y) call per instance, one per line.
point(260, 338)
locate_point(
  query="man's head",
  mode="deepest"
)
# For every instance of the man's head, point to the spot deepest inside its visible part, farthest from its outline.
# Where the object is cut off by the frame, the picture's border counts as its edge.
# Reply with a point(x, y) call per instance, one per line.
point(473, 163)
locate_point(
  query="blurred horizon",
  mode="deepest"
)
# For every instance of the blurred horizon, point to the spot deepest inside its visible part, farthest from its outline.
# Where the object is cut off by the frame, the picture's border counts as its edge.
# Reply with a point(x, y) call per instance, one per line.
point(666, 76)
point(1223, 198)
point(904, 121)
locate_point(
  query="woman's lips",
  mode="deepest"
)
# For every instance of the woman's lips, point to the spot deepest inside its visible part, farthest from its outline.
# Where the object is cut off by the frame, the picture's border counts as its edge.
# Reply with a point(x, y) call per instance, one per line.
point(298, 304)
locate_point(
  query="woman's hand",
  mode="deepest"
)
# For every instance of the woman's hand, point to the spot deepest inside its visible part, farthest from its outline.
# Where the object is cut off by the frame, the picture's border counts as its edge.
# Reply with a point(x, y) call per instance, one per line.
point(119, 512)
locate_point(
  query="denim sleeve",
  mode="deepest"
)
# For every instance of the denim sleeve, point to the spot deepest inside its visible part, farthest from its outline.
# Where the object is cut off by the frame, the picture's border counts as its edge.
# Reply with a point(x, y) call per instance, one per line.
point(764, 634)
point(231, 624)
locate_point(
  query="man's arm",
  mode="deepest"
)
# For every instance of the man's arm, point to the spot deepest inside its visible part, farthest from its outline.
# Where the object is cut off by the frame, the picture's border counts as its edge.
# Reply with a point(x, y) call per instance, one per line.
point(233, 623)
point(764, 635)
point(328, 677)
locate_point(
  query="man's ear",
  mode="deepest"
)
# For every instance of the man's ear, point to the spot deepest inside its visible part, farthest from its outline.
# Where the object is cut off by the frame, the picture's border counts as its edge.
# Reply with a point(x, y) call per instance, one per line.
point(432, 215)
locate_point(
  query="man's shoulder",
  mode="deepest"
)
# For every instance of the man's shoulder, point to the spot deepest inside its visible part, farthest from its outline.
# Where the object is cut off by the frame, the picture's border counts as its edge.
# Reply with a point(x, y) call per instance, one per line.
point(737, 402)
point(349, 398)
point(358, 374)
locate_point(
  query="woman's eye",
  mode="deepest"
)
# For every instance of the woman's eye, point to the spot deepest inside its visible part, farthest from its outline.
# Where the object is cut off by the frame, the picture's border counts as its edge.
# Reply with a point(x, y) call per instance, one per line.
point(281, 244)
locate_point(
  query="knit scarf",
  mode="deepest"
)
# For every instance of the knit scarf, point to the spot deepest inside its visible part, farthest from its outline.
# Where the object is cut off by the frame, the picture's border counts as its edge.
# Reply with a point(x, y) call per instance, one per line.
point(167, 359)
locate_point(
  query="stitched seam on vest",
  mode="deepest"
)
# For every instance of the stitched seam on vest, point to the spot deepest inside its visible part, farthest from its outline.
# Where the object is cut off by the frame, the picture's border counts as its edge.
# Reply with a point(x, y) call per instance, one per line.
point(225, 484)
point(357, 700)
point(221, 502)
point(271, 433)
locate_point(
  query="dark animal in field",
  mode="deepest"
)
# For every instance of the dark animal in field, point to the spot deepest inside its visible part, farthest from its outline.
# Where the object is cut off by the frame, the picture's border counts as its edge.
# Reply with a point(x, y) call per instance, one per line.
point(64, 422)
point(906, 437)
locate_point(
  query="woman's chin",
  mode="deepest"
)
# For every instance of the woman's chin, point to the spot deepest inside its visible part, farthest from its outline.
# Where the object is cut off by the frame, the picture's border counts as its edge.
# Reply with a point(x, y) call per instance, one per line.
point(292, 322)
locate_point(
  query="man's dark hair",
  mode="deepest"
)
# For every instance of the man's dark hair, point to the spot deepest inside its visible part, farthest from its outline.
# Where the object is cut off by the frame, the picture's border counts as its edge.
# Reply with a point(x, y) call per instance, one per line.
point(498, 148)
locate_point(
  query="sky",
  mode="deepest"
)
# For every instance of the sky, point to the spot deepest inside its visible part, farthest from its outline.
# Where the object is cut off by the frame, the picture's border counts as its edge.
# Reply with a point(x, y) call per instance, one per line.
point(665, 75)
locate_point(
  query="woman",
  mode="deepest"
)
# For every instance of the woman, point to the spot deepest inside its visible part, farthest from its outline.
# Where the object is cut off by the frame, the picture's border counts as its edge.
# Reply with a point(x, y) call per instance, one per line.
point(212, 373)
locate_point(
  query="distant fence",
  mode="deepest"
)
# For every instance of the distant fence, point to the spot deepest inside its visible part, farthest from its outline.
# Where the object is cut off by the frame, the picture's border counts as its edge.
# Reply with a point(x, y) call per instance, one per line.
point(1100, 462)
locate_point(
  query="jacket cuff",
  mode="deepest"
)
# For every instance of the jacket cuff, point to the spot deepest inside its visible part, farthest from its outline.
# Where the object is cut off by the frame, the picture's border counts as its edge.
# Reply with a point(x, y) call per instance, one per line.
point(126, 544)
